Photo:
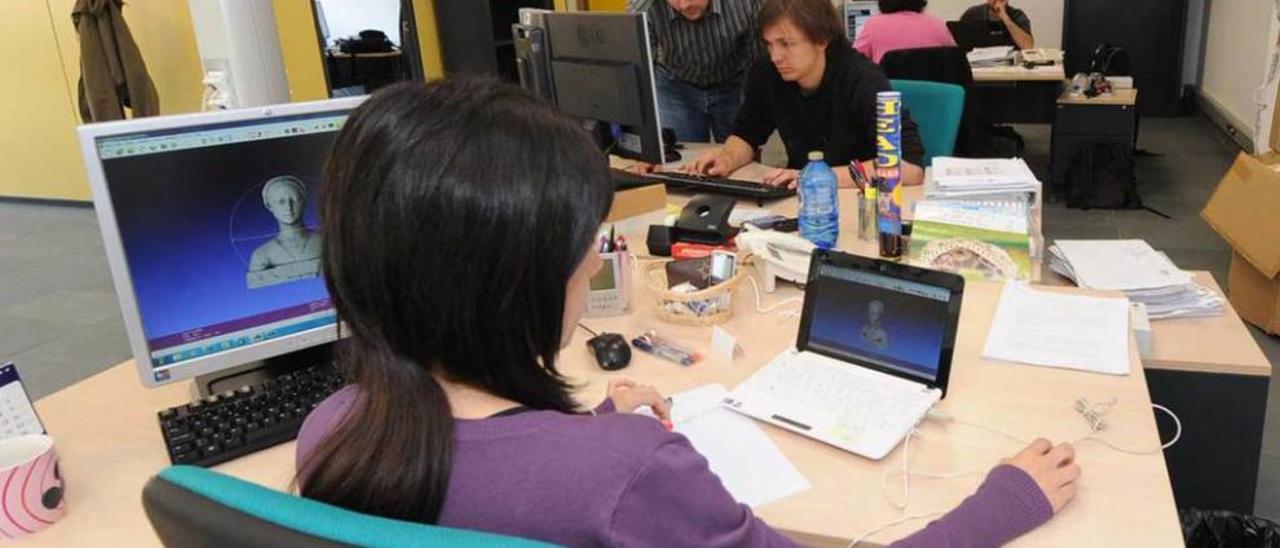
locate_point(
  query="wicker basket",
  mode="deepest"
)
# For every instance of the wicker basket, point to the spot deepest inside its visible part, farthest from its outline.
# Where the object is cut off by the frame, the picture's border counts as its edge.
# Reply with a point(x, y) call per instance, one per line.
point(710, 306)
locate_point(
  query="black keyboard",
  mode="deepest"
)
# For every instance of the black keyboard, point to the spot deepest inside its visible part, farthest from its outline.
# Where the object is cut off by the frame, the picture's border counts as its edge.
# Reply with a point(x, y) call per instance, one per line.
point(232, 424)
point(721, 185)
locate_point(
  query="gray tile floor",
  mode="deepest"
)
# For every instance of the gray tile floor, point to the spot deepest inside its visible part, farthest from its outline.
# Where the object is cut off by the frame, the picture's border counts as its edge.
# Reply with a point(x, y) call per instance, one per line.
point(60, 322)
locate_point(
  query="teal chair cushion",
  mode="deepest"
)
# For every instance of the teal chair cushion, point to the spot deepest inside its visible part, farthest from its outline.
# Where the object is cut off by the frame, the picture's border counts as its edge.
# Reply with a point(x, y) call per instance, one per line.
point(324, 521)
point(937, 109)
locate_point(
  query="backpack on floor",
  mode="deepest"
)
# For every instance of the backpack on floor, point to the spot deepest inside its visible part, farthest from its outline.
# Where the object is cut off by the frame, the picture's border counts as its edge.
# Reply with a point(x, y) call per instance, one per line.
point(1100, 176)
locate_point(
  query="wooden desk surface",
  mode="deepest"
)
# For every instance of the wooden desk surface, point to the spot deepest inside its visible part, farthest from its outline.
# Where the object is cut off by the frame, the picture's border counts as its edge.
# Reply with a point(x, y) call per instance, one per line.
point(1212, 344)
point(1011, 73)
point(109, 443)
point(1120, 97)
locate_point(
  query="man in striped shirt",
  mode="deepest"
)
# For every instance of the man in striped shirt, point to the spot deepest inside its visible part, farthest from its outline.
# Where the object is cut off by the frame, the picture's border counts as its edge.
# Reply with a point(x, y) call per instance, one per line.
point(702, 50)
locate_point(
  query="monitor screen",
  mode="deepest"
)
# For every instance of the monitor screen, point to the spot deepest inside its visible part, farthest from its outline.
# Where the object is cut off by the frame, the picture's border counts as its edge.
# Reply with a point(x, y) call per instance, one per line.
point(856, 15)
point(865, 317)
point(219, 230)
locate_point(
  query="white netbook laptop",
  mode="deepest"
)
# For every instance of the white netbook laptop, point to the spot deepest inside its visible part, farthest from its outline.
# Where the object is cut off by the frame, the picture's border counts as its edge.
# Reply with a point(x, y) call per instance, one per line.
point(872, 356)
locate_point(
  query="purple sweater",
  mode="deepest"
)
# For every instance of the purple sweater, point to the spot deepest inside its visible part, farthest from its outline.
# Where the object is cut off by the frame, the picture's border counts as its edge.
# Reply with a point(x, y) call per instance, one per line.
point(619, 479)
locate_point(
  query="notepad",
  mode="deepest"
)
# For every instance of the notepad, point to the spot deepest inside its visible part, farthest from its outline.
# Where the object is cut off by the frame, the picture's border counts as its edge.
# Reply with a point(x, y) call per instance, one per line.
point(749, 464)
point(1060, 330)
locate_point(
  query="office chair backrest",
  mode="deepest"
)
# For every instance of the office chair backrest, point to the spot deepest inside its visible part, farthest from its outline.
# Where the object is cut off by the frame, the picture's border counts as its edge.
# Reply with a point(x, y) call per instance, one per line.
point(947, 64)
point(937, 109)
point(191, 506)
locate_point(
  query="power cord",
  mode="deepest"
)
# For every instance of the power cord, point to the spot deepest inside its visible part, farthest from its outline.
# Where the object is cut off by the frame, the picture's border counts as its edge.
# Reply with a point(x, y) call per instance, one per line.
point(1094, 415)
point(755, 288)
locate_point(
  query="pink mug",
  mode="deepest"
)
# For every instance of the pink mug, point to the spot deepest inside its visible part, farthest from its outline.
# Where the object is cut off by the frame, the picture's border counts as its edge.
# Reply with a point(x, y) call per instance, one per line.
point(30, 485)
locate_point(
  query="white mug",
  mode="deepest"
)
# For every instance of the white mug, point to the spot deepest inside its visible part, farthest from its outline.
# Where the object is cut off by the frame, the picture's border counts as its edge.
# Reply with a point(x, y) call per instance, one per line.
point(31, 495)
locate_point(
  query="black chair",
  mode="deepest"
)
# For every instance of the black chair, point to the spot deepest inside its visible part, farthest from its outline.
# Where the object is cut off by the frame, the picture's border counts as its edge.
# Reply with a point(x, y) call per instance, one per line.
point(947, 64)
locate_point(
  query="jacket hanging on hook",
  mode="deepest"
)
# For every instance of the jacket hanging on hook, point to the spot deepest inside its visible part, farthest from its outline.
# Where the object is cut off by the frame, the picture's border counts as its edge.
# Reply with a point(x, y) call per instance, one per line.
point(113, 75)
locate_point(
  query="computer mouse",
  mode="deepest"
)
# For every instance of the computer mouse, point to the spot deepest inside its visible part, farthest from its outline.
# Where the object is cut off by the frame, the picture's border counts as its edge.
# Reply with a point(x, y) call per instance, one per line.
point(610, 350)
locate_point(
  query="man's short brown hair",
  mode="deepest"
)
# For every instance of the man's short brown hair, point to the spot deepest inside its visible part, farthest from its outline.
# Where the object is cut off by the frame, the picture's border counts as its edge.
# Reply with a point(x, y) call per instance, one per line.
point(817, 19)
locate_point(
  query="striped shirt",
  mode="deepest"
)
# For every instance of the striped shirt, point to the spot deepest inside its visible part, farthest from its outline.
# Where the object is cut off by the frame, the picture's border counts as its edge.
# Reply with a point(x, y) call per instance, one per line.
point(712, 50)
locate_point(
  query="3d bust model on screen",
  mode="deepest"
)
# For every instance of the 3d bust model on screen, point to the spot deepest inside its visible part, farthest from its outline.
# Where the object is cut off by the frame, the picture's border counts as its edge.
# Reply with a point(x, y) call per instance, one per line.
point(294, 254)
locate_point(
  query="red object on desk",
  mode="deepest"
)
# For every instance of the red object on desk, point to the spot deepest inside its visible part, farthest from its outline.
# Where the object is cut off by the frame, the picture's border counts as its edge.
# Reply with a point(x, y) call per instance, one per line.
point(685, 250)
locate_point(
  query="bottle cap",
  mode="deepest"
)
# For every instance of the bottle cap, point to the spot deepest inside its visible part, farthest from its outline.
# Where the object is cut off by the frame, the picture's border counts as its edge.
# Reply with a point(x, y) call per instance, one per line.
point(815, 155)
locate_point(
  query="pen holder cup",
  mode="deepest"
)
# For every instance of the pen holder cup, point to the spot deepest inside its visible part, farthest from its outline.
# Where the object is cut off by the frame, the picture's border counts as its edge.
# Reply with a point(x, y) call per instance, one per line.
point(710, 306)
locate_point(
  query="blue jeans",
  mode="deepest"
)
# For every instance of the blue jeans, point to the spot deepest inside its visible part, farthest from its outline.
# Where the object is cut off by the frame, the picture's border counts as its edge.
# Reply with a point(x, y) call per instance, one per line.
point(697, 114)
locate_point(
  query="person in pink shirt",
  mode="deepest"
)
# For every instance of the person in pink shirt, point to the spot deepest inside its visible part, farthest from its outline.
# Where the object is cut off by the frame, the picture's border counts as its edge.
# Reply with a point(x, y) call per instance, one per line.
point(901, 25)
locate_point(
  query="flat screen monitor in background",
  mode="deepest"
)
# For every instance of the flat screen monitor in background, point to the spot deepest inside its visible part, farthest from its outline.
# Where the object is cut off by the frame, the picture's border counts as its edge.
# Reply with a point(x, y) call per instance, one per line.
point(211, 232)
point(600, 67)
point(856, 15)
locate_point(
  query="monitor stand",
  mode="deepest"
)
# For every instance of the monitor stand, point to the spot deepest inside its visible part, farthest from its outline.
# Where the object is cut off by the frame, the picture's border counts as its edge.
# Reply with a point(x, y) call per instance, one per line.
point(258, 371)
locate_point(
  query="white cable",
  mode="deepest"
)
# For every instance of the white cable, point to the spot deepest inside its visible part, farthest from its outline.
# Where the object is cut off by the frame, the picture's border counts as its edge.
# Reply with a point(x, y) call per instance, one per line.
point(755, 288)
point(1177, 435)
point(894, 523)
point(943, 417)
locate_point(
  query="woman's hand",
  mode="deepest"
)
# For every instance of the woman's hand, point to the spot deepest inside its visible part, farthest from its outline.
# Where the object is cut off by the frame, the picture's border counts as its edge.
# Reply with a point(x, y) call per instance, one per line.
point(714, 163)
point(1053, 467)
point(782, 177)
point(628, 396)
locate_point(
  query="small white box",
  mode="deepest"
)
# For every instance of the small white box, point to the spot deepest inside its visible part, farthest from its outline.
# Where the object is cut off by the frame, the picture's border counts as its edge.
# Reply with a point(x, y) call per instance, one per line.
point(1141, 326)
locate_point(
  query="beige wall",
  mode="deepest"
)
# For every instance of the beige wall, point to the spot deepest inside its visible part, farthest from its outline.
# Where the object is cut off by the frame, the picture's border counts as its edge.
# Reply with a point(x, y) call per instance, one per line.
point(37, 141)
point(1235, 57)
point(38, 109)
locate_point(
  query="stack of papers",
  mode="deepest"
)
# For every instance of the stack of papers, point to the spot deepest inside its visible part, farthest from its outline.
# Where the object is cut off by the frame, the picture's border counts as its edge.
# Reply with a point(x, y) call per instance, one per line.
point(981, 240)
point(981, 178)
point(1060, 330)
point(989, 57)
point(749, 464)
point(1142, 273)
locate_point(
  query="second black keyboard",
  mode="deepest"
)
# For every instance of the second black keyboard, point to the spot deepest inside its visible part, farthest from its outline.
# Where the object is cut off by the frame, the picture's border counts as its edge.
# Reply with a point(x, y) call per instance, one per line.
point(721, 185)
point(234, 423)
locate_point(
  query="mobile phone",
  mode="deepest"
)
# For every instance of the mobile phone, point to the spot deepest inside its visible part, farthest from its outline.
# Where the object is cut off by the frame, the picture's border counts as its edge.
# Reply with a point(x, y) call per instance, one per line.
point(723, 266)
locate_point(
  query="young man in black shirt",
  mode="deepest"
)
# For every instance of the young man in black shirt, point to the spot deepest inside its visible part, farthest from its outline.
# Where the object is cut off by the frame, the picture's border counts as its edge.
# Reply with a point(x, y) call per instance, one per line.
point(817, 92)
point(1015, 21)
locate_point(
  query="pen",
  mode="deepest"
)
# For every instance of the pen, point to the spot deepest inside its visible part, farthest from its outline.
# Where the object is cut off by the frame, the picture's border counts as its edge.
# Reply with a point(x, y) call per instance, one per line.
point(622, 243)
point(664, 352)
point(612, 240)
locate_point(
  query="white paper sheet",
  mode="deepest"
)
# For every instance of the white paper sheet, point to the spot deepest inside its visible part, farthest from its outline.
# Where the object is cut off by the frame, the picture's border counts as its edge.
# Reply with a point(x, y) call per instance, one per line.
point(1060, 330)
point(1120, 265)
point(751, 467)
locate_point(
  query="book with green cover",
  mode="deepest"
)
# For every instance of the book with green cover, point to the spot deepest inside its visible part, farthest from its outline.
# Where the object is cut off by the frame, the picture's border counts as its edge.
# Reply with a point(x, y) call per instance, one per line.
point(978, 240)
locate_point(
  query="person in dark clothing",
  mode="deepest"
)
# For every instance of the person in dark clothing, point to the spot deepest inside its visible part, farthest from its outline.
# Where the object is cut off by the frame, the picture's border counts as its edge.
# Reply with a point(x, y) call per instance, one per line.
point(1015, 21)
point(817, 92)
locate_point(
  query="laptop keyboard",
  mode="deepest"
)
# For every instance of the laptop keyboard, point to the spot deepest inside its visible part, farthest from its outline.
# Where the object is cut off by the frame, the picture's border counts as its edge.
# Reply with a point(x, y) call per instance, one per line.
point(859, 401)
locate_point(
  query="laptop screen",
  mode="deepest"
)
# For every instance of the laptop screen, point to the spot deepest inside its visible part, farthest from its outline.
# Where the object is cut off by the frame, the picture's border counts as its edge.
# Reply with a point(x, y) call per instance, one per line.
point(870, 318)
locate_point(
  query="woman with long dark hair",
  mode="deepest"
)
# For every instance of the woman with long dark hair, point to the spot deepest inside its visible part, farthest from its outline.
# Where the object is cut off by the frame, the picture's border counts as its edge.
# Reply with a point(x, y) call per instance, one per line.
point(459, 221)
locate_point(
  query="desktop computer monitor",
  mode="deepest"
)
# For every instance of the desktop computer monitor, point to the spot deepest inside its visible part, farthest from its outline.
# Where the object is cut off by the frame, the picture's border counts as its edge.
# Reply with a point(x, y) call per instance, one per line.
point(856, 14)
point(211, 232)
point(600, 67)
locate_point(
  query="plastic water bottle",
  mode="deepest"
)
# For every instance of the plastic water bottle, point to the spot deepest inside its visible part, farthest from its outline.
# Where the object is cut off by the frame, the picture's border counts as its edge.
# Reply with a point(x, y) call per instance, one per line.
point(819, 211)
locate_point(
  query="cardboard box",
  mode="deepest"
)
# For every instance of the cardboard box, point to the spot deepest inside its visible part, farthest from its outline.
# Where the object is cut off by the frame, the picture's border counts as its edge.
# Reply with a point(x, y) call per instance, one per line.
point(1245, 211)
